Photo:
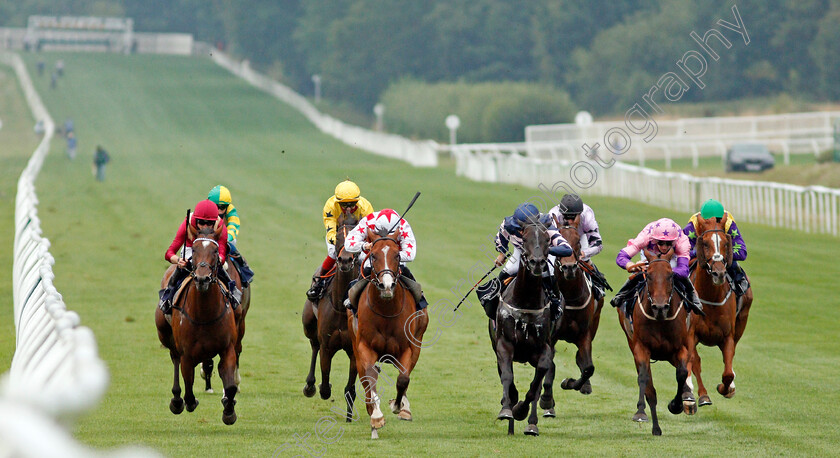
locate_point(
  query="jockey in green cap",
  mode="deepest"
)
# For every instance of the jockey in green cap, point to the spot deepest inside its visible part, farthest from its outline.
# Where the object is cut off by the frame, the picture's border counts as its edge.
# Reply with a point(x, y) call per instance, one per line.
point(220, 196)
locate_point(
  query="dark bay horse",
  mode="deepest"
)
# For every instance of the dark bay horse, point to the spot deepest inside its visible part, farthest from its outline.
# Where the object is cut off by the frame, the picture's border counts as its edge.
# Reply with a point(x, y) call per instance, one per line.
point(239, 314)
point(325, 323)
point(203, 326)
point(388, 328)
point(523, 329)
point(581, 316)
point(725, 318)
point(660, 331)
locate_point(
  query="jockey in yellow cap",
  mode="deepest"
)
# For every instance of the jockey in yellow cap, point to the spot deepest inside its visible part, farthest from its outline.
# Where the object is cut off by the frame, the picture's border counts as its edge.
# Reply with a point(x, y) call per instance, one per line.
point(346, 200)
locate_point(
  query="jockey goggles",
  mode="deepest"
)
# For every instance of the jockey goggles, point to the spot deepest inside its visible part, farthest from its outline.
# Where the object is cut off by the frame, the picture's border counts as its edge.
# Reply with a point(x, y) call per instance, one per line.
point(204, 222)
point(664, 242)
point(347, 204)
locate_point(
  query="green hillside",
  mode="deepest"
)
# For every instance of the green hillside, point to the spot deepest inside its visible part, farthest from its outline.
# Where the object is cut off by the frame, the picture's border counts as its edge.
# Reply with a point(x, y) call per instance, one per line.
point(177, 126)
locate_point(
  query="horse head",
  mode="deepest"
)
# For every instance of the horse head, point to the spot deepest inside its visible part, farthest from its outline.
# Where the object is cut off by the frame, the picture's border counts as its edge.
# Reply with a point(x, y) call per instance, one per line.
point(385, 265)
point(205, 256)
point(660, 282)
point(569, 265)
point(714, 247)
point(534, 247)
point(344, 259)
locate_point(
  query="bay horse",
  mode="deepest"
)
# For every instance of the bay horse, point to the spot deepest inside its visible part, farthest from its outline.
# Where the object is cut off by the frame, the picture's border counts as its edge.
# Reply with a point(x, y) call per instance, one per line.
point(386, 328)
point(660, 330)
point(523, 329)
point(725, 318)
point(325, 323)
point(206, 372)
point(203, 326)
point(581, 316)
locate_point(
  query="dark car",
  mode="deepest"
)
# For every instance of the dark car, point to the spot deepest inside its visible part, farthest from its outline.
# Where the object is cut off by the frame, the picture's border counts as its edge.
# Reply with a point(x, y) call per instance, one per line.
point(749, 157)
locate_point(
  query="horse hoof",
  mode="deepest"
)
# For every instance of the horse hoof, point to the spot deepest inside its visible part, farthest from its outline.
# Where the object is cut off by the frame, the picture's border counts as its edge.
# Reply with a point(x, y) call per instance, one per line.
point(726, 393)
point(377, 423)
point(567, 383)
point(209, 390)
point(546, 402)
point(640, 417)
point(309, 391)
point(191, 407)
point(656, 431)
point(404, 415)
point(520, 411)
point(229, 419)
point(504, 414)
point(586, 388)
point(374, 434)
point(704, 401)
point(532, 430)
point(176, 406)
point(326, 390)
point(393, 405)
point(549, 413)
point(674, 407)
point(689, 406)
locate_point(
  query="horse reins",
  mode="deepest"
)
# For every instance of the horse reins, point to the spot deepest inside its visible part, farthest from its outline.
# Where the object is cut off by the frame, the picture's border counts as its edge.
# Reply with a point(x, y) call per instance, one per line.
point(374, 278)
point(650, 299)
point(213, 279)
point(708, 269)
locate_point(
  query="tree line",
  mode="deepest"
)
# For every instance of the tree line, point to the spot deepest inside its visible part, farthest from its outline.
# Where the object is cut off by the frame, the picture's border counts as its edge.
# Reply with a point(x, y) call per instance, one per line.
point(604, 54)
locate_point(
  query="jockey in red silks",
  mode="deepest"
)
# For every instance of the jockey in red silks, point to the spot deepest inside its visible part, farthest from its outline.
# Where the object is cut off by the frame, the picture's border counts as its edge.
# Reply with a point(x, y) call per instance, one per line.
point(659, 237)
point(205, 214)
point(385, 222)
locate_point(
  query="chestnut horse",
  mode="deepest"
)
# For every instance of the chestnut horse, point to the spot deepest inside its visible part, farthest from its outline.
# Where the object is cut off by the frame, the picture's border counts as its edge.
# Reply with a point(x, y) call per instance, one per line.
point(660, 331)
point(202, 326)
point(387, 328)
point(325, 323)
point(581, 315)
point(523, 329)
point(206, 371)
point(725, 318)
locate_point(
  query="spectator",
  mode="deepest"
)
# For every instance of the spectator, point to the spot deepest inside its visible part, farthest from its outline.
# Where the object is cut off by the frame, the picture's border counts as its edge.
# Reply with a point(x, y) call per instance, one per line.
point(71, 145)
point(68, 126)
point(41, 66)
point(53, 80)
point(59, 67)
point(99, 160)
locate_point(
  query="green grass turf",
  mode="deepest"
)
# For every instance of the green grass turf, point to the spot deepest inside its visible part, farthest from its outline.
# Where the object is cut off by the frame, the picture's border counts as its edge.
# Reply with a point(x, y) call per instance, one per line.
point(177, 126)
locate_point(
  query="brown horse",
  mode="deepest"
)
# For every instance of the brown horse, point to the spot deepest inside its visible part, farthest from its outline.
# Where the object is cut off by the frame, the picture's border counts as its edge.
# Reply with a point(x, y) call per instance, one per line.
point(325, 323)
point(660, 331)
point(387, 329)
point(206, 371)
point(203, 326)
point(523, 329)
point(725, 318)
point(581, 316)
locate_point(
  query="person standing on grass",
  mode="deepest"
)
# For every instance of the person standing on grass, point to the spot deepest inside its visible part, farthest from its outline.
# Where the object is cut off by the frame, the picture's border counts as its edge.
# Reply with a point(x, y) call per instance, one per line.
point(71, 145)
point(100, 158)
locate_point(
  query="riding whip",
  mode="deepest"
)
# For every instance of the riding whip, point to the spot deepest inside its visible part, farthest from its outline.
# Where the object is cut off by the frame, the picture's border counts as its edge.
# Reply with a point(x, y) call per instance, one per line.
point(406, 211)
point(186, 234)
point(476, 285)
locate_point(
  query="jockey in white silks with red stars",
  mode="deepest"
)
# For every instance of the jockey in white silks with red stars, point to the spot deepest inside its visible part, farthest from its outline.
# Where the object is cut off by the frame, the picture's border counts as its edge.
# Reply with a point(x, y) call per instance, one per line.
point(384, 222)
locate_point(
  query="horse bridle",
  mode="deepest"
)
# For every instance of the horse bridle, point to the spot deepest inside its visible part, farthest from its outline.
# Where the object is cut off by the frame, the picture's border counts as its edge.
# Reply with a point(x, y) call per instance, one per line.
point(213, 279)
point(717, 257)
point(650, 299)
point(375, 278)
point(205, 263)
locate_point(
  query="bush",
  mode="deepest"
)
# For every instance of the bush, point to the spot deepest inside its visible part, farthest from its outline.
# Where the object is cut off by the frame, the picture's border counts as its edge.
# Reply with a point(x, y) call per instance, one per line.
point(489, 112)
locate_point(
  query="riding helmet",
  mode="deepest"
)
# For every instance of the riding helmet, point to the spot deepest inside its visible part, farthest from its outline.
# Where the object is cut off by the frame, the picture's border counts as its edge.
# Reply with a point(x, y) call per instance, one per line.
point(220, 195)
point(347, 191)
point(711, 209)
point(526, 212)
point(571, 204)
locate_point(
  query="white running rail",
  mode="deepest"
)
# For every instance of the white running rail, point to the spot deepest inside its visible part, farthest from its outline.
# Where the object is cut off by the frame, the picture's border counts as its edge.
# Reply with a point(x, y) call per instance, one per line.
point(811, 209)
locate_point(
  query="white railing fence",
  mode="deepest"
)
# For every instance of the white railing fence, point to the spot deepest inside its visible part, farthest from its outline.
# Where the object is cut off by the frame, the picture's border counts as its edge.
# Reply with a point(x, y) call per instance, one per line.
point(790, 133)
point(56, 373)
point(811, 209)
point(416, 153)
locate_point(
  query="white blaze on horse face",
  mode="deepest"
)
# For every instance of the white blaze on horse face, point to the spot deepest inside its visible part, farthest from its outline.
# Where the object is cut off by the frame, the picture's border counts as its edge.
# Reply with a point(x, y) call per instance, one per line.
point(387, 279)
point(717, 257)
point(205, 244)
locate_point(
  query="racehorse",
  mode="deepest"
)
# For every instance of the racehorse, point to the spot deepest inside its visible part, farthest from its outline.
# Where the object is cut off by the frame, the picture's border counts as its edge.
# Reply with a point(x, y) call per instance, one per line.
point(325, 323)
point(239, 313)
point(203, 326)
point(581, 315)
point(523, 329)
point(725, 318)
point(660, 330)
point(387, 328)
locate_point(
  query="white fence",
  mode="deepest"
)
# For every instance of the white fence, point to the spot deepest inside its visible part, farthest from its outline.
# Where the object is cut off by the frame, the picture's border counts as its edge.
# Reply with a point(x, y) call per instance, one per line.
point(416, 153)
point(811, 209)
point(56, 372)
point(789, 133)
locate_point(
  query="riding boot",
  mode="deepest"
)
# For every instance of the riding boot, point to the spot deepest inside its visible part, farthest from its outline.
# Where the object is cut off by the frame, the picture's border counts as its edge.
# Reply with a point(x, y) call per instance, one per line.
point(421, 302)
point(168, 293)
point(555, 298)
point(503, 276)
point(686, 290)
point(628, 291)
point(316, 290)
point(740, 283)
point(353, 293)
point(234, 293)
point(245, 272)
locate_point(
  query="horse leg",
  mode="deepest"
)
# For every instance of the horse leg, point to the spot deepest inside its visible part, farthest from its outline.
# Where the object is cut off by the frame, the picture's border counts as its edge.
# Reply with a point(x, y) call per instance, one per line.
point(400, 405)
point(543, 365)
point(650, 395)
point(547, 397)
point(207, 374)
point(309, 389)
point(684, 399)
point(326, 355)
point(741, 319)
point(583, 358)
point(727, 387)
point(227, 371)
point(176, 405)
point(365, 364)
point(504, 353)
point(520, 410)
point(703, 398)
point(350, 390)
point(188, 372)
point(640, 356)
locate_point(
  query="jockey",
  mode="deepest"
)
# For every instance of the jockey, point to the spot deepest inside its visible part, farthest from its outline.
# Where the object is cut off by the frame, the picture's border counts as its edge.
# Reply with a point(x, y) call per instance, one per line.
point(220, 196)
point(205, 214)
point(570, 209)
point(347, 200)
point(381, 223)
point(659, 237)
point(714, 209)
point(510, 233)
